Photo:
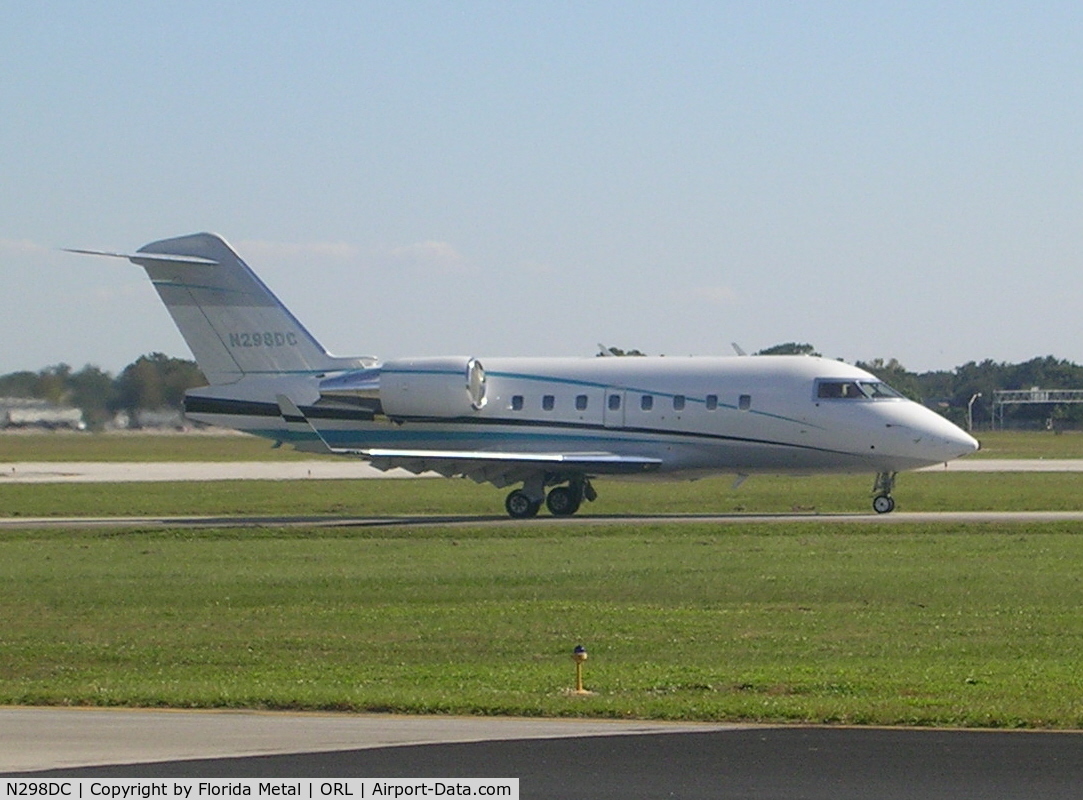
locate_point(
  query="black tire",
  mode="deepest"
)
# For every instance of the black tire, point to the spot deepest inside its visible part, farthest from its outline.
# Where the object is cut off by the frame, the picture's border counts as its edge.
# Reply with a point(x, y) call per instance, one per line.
point(519, 505)
point(563, 501)
point(883, 504)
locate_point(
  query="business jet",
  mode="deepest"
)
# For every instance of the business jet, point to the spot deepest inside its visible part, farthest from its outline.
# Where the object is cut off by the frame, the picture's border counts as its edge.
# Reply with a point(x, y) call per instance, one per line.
point(548, 425)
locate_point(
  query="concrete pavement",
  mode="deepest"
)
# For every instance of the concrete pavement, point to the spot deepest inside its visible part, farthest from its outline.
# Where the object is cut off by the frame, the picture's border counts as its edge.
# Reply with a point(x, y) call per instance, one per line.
point(34, 739)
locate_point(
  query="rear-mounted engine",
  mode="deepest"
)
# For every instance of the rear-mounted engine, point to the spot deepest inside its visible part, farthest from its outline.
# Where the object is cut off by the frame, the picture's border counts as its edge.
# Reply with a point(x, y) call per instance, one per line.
point(432, 387)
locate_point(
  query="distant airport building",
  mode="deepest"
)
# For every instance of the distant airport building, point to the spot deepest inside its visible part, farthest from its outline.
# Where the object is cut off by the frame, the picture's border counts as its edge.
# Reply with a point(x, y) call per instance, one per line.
point(26, 412)
point(150, 419)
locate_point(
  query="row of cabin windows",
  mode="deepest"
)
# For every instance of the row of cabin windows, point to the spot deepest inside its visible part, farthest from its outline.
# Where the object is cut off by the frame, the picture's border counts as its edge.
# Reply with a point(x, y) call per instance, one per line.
point(646, 402)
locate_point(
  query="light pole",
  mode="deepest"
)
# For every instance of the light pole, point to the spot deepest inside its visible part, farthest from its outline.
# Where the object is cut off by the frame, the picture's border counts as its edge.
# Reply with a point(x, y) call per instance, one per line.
point(970, 413)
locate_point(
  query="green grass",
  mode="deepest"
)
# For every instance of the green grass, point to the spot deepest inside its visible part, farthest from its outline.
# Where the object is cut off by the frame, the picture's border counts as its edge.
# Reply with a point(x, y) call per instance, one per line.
point(921, 625)
point(1029, 444)
point(930, 491)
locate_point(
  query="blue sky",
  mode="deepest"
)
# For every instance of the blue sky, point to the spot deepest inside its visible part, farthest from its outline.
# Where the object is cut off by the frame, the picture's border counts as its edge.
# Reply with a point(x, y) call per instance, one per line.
point(896, 180)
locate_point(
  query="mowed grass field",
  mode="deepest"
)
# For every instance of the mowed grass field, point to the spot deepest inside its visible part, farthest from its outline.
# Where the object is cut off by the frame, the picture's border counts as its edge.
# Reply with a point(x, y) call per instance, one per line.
point(924, 624)
point(918, 625)
point(427, 497)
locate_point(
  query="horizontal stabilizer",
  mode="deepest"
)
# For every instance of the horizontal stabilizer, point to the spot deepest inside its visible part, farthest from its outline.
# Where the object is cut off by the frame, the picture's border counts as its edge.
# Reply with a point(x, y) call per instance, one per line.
point(163, 257)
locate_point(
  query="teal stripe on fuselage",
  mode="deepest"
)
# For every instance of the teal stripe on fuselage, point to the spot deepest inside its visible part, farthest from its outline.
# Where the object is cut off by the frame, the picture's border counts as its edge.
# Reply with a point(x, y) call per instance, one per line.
point(560, 443)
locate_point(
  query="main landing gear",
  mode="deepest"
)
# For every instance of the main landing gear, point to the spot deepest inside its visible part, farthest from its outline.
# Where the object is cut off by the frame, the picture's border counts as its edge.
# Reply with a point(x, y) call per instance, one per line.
point(883, 502)
point(562, 501)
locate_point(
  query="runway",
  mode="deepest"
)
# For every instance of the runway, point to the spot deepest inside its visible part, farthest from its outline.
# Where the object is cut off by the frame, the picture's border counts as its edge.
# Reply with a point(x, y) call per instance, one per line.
point(583, 759)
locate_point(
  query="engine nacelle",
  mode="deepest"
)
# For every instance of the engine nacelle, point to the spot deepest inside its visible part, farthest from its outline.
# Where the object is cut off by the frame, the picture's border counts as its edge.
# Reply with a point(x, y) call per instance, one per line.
point(432, 387)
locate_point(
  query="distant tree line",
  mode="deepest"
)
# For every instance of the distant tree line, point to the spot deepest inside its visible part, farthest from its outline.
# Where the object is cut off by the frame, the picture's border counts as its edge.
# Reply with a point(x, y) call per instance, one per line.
point(150, 383)
point(950, 391)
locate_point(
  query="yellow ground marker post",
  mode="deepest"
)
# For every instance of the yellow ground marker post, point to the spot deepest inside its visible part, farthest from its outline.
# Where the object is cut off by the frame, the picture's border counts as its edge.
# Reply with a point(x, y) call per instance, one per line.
point(579, 655)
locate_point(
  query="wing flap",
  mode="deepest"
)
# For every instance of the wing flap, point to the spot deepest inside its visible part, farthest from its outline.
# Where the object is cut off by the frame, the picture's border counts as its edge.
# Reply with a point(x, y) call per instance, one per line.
point(502, 469)
point(567, 459)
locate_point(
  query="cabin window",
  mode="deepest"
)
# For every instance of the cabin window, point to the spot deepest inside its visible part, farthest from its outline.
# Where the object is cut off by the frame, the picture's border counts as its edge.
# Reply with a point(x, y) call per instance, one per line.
point(744, 402)
point(678, 402)
point(646, 402)
point(614, 402)
point(517, 402)
point(580, 402)
point(712, 402)
point(548, 401)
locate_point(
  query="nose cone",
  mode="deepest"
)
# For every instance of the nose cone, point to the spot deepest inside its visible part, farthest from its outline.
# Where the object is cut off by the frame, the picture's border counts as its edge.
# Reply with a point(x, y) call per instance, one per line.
point(944, 440)
point(915, 436)
point(961, 444)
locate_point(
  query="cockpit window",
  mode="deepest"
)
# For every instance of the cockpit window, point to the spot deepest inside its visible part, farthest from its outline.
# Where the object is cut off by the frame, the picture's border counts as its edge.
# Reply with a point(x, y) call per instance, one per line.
point(846, 390)
point(854, 390)
point(878, 389)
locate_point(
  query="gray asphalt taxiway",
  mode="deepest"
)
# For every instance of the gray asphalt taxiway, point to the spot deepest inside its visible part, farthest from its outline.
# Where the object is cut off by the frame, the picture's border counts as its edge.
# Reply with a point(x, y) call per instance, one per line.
point(552, 758)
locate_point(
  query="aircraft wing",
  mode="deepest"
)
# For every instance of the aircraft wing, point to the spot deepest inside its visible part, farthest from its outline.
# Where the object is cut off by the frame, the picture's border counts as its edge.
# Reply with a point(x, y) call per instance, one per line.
point(503, 469)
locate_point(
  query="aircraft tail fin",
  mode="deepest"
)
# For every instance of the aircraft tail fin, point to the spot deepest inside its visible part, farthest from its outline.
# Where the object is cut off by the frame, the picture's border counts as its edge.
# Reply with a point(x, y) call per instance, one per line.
point(232, 322)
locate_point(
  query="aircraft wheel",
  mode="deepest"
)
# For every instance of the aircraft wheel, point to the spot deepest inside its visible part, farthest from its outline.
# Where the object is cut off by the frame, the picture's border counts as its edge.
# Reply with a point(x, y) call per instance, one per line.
point(563, 501)
point(883, 504)
point(520, 506)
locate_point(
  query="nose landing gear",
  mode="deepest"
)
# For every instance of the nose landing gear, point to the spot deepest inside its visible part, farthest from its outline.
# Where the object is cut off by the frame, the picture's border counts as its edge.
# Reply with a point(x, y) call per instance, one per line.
point(883, 502)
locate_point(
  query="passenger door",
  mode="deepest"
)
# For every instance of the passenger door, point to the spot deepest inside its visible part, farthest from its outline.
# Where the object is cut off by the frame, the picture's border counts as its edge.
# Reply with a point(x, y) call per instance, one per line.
point(613, 411)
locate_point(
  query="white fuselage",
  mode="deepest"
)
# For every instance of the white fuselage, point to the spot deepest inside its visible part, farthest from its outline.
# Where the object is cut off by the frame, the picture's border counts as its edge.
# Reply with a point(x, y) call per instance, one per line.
point(696, 415)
